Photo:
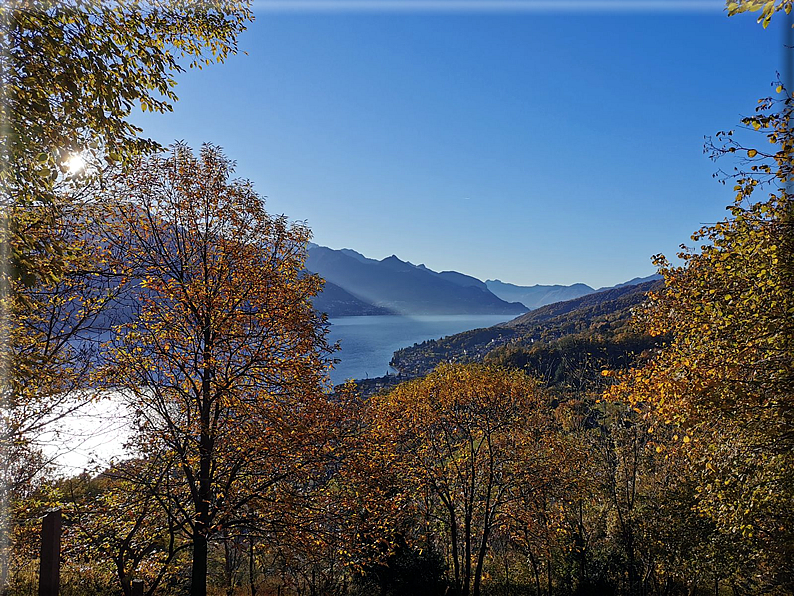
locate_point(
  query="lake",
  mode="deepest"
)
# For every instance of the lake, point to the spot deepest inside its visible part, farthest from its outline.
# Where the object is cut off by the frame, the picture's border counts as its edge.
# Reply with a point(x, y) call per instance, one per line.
point(368, 343)
point(92, 436)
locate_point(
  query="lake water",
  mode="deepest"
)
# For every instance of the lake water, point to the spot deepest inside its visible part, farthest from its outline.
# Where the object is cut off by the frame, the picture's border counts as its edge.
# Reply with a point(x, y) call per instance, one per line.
point(368, 342)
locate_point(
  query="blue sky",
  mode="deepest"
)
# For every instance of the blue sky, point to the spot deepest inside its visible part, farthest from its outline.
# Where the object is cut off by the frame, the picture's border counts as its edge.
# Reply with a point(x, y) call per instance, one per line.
point(533, 146)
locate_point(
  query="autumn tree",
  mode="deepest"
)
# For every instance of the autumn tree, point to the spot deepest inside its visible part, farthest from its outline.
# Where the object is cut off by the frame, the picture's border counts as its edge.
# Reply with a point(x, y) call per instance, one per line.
point(71, 71)
point(222, 356)
point(51, 348)
point(463, 439)
point(726, 375)
point(124, 521)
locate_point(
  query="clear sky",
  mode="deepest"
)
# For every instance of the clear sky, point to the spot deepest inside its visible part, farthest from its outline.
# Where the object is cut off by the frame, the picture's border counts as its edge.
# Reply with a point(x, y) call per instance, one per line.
point(533, 142)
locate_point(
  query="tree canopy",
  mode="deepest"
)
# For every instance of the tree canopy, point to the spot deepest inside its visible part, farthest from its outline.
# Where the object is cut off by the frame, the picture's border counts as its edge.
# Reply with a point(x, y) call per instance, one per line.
point(222, 355)
point(727, 374)
point(71, 72)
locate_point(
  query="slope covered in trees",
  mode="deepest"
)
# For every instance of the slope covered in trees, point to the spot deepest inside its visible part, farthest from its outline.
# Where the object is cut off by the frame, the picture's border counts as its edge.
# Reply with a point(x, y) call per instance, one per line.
point(603, 314)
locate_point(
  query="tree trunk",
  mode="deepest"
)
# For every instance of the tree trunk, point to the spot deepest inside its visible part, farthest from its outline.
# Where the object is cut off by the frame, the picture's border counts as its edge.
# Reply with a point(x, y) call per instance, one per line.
point(231, 564)
point(467, 553)
point(251, 567)
point(198, 576)
point(633, 576)
point(548, 572)
point(453, 526)
point(481, 558)
point(198, 583)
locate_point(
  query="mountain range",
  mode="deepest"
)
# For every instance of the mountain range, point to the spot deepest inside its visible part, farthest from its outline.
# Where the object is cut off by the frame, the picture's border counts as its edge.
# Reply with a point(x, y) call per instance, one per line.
point(357, 285)
point(536, 296)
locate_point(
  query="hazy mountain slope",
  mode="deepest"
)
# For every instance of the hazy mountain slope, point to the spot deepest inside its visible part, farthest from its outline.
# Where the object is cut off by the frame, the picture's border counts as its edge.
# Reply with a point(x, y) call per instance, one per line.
point(402, 287)
point(336, 302)
point(537, 295)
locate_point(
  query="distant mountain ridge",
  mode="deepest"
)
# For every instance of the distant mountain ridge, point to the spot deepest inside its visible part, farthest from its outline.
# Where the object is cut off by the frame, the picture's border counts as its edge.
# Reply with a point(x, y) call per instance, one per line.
point(395, 286)
point(359, 285)
point(539, 295)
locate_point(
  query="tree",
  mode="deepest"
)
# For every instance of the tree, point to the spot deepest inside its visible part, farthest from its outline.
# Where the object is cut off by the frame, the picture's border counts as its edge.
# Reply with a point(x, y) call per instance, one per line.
point(70, 73)
point(463, 439)
point(727, 374)
point(118, 528)
point(51, 347)
point(222, 357)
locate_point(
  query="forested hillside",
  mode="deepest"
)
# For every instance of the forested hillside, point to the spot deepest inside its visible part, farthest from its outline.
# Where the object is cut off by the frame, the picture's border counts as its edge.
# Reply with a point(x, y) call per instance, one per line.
point(603, 315)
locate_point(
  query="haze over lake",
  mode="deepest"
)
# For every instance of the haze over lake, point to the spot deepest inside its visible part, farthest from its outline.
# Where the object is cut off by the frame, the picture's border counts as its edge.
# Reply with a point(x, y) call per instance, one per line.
point(367, 343)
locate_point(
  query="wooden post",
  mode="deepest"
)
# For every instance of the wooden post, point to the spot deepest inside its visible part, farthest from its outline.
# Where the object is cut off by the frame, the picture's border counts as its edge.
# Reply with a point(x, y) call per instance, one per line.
point(137, 587)
point(50, 559)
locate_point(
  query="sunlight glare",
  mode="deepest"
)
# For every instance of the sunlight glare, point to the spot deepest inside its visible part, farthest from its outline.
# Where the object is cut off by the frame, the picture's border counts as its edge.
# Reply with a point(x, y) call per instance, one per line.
point(75, 164)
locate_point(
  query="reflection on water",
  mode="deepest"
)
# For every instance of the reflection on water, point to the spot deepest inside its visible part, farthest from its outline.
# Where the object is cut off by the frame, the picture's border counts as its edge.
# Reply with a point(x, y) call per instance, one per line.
point(88, 437)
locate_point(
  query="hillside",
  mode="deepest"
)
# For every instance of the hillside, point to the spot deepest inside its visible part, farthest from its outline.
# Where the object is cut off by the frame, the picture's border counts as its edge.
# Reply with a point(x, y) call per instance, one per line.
point(603, 313)
point(539, 295)
point(561, 317)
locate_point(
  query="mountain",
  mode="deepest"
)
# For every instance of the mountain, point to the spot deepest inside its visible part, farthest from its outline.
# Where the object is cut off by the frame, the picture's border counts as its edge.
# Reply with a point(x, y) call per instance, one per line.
point(602, 313)
point(634, 282)
point(401, 287)
point(338, 303)
point(536, 296)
